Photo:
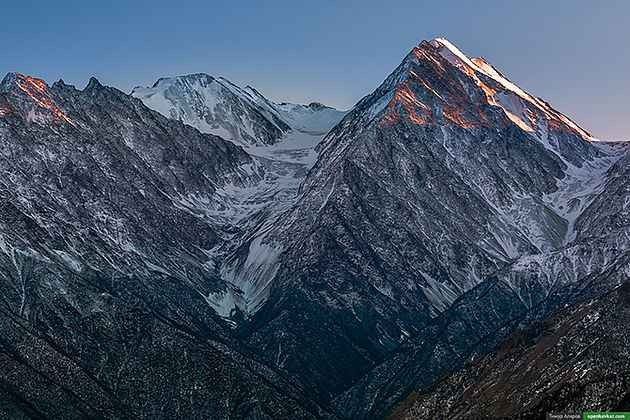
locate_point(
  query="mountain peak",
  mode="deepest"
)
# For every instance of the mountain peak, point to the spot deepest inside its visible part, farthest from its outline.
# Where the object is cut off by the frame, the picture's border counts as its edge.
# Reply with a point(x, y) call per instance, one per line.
point(317, 105)
point(93, 85)
point(61, 83)
point(441, 42)
point(439, 84)
point(163, 81)
point(14, 80)
point(28, 93)
point(515, 101)
point(216, 106)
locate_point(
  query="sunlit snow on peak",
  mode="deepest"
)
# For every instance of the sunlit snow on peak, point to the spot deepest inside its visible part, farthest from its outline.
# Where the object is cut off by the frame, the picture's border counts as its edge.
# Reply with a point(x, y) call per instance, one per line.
point(515, 108)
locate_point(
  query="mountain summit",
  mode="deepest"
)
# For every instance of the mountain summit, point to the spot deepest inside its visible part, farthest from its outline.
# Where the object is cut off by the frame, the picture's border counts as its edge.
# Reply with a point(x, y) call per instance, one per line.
point(30, 97)
point(519, 106)
point(243, 115)
point(437, 84)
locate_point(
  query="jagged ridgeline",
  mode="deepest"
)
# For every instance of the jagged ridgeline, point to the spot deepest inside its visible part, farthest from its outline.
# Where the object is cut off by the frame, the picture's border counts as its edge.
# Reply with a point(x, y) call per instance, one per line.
point(195, 249)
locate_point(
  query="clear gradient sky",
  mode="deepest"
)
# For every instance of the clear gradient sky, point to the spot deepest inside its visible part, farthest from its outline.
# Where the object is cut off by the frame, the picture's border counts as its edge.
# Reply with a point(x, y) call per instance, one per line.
point(574, 53)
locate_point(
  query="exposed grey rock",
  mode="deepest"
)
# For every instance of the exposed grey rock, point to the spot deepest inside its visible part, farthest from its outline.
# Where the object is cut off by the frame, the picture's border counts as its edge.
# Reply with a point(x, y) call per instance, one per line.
point(104, 272)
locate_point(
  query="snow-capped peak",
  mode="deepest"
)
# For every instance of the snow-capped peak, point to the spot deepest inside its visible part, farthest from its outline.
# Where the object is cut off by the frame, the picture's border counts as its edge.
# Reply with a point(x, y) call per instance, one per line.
point(218, 106)
point(513, 107)
point(456, 57)
point(215, 106)
point(445, 44)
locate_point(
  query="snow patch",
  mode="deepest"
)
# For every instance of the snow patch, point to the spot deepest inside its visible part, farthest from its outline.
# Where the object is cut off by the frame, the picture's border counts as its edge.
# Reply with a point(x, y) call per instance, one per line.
point(253, 277)
point(71, 262)
point(440, 295)
point(579, 188)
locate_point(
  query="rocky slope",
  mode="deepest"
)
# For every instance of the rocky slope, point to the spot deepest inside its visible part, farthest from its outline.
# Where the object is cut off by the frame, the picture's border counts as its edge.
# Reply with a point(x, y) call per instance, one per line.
point(575, 361)
point(106, 310)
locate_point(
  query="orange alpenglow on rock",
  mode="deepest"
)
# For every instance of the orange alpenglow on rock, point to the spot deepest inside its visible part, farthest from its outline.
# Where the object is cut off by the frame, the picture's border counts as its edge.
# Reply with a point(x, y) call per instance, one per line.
point(431, 93)
point(4, 110)
point(418, 112)
point(438, 84)
point(523, 109)
point(37, 90)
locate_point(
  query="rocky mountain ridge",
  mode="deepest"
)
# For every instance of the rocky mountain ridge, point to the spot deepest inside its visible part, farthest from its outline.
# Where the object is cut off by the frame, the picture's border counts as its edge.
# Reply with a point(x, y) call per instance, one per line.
point(573, 362)
point(105, 311)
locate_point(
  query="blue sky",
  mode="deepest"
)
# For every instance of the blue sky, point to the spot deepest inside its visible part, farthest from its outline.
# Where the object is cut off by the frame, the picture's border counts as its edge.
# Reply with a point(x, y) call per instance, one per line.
point(573, 53)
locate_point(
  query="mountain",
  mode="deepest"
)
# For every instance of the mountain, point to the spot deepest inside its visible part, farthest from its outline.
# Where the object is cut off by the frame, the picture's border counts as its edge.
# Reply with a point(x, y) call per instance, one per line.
point(213, 106)
point(307, 262)
point(104, 264)
point(280, 137)
point(573, 362)
point(218, 106)
point(447, 181)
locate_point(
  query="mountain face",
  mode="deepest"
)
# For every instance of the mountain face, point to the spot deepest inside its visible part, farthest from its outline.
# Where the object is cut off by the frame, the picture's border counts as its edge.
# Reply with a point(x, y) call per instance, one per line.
point(280, 138)
point(95, 168)
point(218, 106)
point(246, 258)
point(575, 361)
point(104, 264)
point(445, 183)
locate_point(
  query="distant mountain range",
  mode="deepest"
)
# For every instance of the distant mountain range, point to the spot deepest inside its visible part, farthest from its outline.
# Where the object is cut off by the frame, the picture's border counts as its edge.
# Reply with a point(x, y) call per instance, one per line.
point(196, 250)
